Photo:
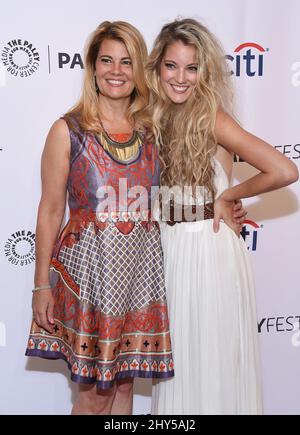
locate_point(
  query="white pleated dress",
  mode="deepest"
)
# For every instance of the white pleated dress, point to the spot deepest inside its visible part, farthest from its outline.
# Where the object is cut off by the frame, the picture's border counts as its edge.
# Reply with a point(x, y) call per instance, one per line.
point(213, 323)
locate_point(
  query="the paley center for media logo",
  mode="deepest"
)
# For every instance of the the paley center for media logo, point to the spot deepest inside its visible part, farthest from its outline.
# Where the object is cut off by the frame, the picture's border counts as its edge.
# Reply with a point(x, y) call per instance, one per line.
point(19, 248)
point(20, 57)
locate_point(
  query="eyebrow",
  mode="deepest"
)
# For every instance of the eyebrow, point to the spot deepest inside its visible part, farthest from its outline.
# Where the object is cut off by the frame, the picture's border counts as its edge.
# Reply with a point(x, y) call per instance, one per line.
point(190, 64)
point(110, 57)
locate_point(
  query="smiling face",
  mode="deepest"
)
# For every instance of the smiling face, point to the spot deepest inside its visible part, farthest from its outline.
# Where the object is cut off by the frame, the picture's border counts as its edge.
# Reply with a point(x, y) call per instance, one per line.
point(113, 70)
point(178, 71)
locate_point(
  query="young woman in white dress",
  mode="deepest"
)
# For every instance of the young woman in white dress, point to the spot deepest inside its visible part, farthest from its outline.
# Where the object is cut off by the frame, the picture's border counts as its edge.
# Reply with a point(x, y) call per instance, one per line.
point(209, 282)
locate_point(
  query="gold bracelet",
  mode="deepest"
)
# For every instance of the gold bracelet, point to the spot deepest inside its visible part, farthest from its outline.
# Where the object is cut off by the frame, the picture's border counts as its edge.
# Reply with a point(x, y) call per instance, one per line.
point(43, 287)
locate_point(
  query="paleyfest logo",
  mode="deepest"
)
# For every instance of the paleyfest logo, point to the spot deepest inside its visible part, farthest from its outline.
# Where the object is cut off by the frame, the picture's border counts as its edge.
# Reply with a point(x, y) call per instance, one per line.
point(20, 58)
point(290, 150)
point(281, 324)
point(250, 234)
point(248, 59)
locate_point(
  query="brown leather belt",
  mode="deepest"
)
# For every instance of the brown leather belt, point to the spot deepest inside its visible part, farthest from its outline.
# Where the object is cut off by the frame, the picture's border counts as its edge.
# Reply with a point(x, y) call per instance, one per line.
point(188, 213)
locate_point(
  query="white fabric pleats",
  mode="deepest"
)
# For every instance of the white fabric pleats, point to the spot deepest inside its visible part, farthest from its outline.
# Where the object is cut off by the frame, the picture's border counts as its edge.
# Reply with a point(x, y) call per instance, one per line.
point(211, 300)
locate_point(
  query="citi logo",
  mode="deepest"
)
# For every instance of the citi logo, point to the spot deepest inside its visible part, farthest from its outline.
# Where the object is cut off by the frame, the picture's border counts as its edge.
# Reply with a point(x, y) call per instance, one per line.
point(248, 59)
point(250, 234)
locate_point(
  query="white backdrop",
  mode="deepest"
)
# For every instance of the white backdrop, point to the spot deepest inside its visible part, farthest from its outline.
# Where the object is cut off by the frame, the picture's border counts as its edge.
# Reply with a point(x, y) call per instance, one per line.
point(40, 78)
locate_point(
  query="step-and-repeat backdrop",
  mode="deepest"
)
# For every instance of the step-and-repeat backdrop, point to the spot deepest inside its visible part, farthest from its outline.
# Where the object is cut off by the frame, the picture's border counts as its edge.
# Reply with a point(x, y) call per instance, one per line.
point(41, 65)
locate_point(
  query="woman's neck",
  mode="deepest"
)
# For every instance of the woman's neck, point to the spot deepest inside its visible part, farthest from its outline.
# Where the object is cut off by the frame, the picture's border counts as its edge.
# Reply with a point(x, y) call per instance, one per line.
point(113, 115)
point(114, 111)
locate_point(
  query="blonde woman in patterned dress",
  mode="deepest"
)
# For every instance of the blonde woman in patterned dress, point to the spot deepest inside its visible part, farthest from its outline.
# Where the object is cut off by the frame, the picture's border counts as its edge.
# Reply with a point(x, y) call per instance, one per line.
point(102, 308)
point(210, 290)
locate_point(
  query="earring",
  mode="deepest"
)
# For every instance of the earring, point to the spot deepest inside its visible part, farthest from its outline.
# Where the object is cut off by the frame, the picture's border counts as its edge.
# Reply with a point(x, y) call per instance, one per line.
point(134, 94)
point(96, 85)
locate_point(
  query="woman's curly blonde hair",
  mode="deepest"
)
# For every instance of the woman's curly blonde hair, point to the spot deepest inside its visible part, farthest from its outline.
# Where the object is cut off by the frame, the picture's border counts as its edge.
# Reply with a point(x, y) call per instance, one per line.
point(185, 132)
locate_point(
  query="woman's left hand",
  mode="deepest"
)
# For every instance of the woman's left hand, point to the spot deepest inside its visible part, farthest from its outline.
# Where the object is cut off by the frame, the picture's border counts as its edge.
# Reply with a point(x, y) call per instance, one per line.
point(239, 213)
point(232, 213)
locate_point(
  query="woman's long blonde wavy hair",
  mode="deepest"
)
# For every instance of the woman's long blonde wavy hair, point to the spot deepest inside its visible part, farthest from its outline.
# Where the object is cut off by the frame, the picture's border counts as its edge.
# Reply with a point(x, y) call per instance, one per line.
point(185, 132)
point(86, 111)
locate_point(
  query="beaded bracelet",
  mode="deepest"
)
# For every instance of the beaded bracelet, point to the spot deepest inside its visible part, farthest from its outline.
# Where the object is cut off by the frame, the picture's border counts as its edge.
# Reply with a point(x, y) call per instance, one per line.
point(43, 287)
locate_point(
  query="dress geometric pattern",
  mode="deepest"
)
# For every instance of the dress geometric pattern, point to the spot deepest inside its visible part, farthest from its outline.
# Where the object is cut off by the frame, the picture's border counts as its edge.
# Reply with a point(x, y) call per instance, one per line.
point(107, 277)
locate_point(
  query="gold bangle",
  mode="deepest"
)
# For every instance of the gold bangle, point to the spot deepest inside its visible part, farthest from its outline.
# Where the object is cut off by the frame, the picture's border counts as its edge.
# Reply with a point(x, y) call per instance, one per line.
point(43, 287)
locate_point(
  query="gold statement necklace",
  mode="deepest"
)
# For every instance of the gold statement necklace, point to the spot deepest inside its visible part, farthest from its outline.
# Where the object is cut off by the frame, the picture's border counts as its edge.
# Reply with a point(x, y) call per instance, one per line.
point(123, 152)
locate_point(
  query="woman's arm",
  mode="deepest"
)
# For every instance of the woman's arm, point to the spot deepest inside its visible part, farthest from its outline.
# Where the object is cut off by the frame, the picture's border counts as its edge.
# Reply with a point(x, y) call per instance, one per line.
point(276, 170)
point(55, 170)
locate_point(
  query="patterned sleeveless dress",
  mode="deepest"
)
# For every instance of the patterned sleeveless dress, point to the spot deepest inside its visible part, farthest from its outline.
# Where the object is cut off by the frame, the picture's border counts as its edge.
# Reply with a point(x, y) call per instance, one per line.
point(106, 272)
